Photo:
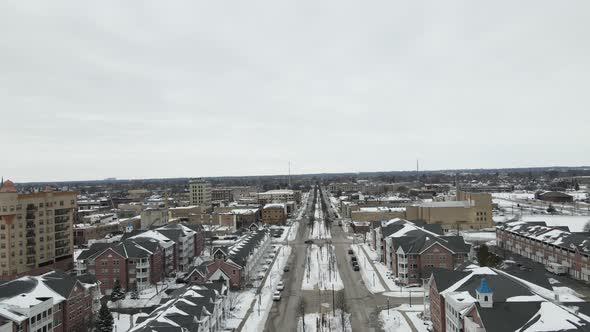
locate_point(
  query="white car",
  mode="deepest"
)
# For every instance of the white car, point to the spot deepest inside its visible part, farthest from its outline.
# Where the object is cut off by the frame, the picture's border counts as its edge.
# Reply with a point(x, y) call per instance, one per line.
point(281, 286)
point(276, 296)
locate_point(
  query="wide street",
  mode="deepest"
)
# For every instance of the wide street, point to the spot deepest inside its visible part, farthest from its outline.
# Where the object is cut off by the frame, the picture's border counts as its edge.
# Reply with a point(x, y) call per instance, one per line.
point(363, 306)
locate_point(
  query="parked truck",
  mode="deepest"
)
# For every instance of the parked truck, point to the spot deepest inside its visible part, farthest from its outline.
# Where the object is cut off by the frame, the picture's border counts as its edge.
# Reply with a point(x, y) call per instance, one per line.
point(556, 268)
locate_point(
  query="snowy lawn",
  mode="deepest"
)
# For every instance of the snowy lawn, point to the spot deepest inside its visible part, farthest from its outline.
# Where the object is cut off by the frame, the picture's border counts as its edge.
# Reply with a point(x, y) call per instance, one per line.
point(321, 270)
point(369, 275)
point(263, 301)
point(331, 323)
point(240, 305)
point(123, 321)
point(567, 294)
point(394, 321)
point(146, 298)
point(420, 324)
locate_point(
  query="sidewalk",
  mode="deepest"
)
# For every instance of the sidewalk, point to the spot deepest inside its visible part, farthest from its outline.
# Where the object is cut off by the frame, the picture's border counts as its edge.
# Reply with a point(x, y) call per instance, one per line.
point(383, 282)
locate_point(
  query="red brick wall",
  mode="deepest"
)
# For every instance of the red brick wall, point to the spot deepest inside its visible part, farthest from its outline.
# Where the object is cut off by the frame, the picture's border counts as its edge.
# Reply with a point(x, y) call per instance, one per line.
point(235, 274)
point(157, 266)
point(437, 309)
point(106, 274)
point(77, 310)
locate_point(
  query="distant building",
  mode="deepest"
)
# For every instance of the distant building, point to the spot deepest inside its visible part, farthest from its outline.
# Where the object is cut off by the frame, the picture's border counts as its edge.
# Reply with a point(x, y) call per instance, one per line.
point(199, 192)
point(468, 211)
point(151, 218)
point(279, 196)
point(554, 196)
point(378, 213)
point(274, 214)
point(35, 230)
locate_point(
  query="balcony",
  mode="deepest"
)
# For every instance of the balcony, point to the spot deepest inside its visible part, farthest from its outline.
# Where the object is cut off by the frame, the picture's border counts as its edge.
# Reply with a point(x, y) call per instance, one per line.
point(142, 264)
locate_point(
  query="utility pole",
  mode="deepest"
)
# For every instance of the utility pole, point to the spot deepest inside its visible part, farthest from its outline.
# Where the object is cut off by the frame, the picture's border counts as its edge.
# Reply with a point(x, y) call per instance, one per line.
point(333, 302)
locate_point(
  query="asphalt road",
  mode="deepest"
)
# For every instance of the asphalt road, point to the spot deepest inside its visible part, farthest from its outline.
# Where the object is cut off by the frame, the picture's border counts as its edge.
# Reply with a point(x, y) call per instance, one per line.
point(363, 306)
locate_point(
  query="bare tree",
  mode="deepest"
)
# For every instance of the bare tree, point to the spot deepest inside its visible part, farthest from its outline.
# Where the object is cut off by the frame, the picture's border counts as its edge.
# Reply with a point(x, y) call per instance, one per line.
point(341, 304)
point(587, 226)
point(301, 312)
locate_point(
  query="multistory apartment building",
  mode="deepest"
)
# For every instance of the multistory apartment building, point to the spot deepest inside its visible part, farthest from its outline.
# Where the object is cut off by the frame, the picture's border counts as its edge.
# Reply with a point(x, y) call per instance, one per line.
point(199, 192)
point(154, 217)
point(54, 301)
point(35, 230)
point(546, 244)
point(135, 263)
point(411, 252)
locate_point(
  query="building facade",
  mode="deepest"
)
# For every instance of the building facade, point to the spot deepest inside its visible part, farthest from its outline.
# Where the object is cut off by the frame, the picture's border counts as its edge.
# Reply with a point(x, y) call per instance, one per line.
point(199, 192)
point(35, 230)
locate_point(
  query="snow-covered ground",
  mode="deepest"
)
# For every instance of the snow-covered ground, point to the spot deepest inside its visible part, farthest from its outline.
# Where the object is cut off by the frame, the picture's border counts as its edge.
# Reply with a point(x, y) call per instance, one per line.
point(369, 275)
point(123, 321)
point(420, 324)
point(393, 321)
point(304, 200)
point(335, 202)
point(263, 302)
point(293, 232)
point(240, 305)
point(320, 231)
point(321, 270)
point(331, 323)
point(148, 297)
point(567, 294)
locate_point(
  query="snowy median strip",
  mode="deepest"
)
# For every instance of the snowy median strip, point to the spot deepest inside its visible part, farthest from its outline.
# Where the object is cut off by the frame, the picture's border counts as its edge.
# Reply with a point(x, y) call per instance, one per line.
point(321, 270)
point(330, 323)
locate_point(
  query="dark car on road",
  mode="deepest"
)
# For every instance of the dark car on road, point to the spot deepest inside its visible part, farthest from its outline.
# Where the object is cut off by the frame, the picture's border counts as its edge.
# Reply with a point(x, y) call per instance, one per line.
point(286, 268)
point(350, 252)
point(356, 267)
point(308, 241)
point(353, 258)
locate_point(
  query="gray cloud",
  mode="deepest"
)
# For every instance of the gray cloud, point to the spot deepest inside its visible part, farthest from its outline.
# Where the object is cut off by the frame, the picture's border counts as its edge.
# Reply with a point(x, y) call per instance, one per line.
point(154, 89)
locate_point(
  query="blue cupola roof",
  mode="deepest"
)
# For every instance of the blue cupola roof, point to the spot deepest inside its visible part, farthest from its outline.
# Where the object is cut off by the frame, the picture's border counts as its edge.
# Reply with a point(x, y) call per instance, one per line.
point(483, 287)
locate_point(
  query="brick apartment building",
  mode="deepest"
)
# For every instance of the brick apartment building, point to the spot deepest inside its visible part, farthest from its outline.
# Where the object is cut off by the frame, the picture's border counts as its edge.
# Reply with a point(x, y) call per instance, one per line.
point(54, 301)
point(133, 262)
point(86, 232)
point(35, 230)
point(274, 214)
point(411, 252)
point(546, 244)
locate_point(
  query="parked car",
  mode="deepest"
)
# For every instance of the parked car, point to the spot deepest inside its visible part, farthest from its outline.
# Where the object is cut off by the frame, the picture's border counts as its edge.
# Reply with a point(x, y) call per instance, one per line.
point(286, 268)
point(308, 241)
point(353, 258)
point(350, 252)
point(356, 268)
point(276, 296)
point(280, 285)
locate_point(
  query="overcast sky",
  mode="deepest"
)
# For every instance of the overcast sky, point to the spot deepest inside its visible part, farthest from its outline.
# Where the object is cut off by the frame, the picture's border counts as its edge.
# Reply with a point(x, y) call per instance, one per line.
point(136, 89)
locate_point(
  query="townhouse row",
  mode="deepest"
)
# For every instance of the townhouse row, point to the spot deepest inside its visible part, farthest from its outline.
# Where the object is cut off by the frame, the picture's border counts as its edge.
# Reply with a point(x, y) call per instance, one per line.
point(548, 244)
point(200, 308)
